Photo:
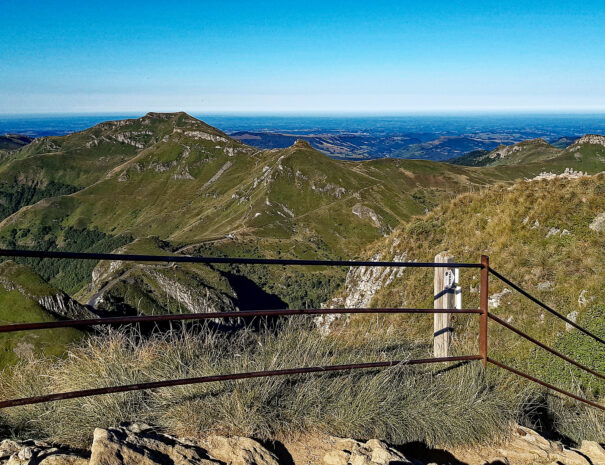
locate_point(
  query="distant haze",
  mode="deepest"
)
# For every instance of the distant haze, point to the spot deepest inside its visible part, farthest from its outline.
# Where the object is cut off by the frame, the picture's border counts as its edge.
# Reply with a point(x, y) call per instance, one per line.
point(437, 137)
point(517, 126)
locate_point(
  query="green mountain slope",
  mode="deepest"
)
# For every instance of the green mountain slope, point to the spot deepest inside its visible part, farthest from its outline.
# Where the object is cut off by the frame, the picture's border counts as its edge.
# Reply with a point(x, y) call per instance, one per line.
point(586, 153)
point(176, 178)
point(51, 166)
point(168, 183)
point(528, 151)
point(205, 193)
point(543, 235)
point(25, 297)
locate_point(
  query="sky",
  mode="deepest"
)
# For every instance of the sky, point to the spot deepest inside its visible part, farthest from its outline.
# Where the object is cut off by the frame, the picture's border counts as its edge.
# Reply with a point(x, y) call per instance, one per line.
point(302, 57)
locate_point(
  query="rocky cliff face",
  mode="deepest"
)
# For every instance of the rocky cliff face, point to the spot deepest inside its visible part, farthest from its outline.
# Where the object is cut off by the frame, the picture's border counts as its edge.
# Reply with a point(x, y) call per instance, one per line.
point(63, 305)
point(361, 285)
point(155, 288)
point(15, 277)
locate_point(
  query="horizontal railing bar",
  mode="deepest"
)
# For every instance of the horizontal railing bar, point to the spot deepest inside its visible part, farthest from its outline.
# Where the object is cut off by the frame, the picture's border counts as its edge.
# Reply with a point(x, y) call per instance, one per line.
point(544, 346)
point(214, 378)
point(544, 306)
point(213, 315)
point(546, 385)
point(215, 260)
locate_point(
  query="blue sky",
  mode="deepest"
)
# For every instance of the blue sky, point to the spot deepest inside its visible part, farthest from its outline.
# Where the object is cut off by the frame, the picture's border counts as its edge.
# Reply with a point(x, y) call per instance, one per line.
point(302, 57)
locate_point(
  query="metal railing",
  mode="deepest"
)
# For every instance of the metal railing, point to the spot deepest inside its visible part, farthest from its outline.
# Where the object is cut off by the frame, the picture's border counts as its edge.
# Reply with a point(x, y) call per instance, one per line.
point(483, 312)
point(543, 346)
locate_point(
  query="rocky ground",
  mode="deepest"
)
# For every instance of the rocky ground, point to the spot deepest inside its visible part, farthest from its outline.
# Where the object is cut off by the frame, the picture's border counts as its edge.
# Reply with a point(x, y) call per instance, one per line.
point(143, 445)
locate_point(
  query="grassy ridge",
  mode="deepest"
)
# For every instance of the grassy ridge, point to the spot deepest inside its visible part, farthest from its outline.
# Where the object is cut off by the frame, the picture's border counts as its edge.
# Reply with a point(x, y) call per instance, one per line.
point(538, 235)
point(581, 156)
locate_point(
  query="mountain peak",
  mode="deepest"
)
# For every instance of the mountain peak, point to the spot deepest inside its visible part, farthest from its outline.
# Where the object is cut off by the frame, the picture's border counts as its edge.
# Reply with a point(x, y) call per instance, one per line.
point(301, 144)
point(159, 115)
point(537, 141)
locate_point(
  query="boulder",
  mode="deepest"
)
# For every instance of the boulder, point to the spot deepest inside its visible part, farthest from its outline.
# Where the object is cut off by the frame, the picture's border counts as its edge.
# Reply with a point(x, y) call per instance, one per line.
point(527, 446)
point(373, 452)
point(37, 453)
point(142, 445)
point(594, 451)
point(238, 451)
point(598, 224)
point(139, 444)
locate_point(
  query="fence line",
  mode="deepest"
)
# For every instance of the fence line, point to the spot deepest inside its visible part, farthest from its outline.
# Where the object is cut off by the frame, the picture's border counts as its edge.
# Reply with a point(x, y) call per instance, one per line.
point(483, 311)
point(546, 385)
point(544, 306)
point(544, 346)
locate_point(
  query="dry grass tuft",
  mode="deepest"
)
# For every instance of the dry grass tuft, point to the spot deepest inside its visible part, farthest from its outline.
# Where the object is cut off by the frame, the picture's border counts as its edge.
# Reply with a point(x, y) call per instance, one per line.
point(399, 404)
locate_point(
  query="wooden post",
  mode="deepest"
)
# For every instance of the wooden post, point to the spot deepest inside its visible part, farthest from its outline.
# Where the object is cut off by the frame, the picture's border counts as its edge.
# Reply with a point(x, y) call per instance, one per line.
point(483, 303)
point(444, 297)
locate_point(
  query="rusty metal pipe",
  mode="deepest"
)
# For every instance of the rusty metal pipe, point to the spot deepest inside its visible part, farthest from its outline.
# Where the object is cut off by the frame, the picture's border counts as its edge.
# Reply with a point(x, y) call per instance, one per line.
point(483, 303)
point(231, 377)
point(546, 385)
point(544, 346)
point(212, 315)
point(214, 260)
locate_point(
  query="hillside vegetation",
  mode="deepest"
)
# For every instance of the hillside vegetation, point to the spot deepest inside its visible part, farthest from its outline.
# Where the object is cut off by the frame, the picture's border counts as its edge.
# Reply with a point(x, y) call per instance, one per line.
point(26, 298)
point(399, 404)
point(215, 195)
point(169, 184)
point(543, 235)
point(588, 150)
point(100, 188)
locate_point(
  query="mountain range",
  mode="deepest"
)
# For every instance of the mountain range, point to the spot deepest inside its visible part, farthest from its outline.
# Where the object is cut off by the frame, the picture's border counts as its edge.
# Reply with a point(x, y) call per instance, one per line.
point(168, 183)
point(365, 146)
point(533, 151)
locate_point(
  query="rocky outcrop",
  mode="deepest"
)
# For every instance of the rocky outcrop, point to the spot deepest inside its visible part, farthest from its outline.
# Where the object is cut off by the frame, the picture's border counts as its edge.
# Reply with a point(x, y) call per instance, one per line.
point(495, 300)
point(238, 451)
point(142, 445)
point(37, 453)
point(373, 452)
point(363, 282)
point(364, 212)
point(361, 285)
point(197, 299)
point(63, 305)
point(504, 151)
point(568, 173)
point(59, 303)
point(527, 446)
point(598, 224)
point(594, 139)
